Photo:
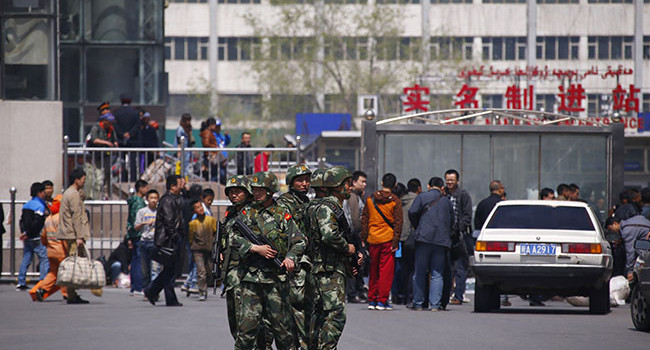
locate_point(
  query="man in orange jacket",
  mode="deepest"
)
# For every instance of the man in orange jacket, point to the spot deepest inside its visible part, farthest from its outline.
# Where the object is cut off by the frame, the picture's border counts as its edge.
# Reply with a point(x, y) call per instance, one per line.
point(381, 226)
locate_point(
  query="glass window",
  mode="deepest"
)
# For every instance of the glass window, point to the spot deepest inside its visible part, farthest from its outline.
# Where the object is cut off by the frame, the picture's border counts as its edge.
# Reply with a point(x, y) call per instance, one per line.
point(192, 48)
point(70, 74)
point(70, 20)
point(442, 152)
point(575, 159)
point(542, 217)
point(72, 123)
point(475, 172)
point(634, 158)
point(28, 6)
point(110, 72)
point(28, 55)
point(517, 152)
point(123, 20)
point(179, 48)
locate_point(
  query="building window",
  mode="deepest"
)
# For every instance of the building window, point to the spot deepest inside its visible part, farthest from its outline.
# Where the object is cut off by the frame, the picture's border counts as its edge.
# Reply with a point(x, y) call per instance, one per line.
point(504, 1)
point(448, 1)
point(238, 49)
point(557, 47)
point(504, 48)
point(492, 101)
point(645, 103)
point(404, 48)
point(457, 48)
point(558, 1)
point(546, 103)
point(646, 46)
point(395, 1)
point(238, 1)
point(610, 47)
point(186, 48)
point(610, 1)
point(190, 1)
point(598, 105)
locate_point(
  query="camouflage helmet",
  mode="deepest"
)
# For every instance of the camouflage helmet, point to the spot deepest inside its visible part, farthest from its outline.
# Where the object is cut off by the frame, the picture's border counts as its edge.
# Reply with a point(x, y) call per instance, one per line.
point(317, 177)
point(296, 170)
point(265, 179)
point(241, 181)
point(334, 176)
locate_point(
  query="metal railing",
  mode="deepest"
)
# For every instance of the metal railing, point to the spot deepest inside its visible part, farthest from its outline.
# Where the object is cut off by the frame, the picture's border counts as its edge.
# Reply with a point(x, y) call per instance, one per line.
point(107, 220)
point(112, 172)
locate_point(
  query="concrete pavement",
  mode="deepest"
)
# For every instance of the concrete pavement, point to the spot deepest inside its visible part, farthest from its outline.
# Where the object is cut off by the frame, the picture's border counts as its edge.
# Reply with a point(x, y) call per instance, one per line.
point(119, 321)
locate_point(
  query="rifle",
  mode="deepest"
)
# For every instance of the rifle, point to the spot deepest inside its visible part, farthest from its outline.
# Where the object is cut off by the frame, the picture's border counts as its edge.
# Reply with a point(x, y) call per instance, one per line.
point(351, 238)
point(255, 239)
point(216, 259)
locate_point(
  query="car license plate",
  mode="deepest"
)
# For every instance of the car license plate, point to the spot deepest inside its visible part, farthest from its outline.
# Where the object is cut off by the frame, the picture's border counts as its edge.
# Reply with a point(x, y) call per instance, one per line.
point(537, 249)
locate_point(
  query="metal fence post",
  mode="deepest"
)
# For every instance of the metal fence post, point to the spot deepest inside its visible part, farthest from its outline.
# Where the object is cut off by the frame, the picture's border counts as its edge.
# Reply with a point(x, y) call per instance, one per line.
point(12, 231)
point(298, 153)
point(66, 140)
point(182, 156)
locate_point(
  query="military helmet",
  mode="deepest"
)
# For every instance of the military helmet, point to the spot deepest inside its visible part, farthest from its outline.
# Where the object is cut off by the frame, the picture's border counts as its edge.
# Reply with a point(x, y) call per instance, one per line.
point(296, 170)
point(238, 181)
point(334, 176)
point(265, 179)
point(317, 177)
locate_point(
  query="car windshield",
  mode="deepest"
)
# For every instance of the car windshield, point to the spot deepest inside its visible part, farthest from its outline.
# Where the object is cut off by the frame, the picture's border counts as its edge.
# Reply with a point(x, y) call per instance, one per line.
point(541, 217)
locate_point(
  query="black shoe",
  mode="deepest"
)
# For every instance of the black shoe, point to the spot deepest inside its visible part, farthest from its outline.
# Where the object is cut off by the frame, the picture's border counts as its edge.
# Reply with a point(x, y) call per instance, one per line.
point(21, 287)
point(149, 297)
point(354, 300)
point(176, 304)
point(77, 300)
point(39, 294)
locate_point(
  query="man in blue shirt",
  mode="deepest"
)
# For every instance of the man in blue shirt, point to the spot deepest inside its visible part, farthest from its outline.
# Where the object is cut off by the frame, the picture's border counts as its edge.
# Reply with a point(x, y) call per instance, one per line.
point(31, 225)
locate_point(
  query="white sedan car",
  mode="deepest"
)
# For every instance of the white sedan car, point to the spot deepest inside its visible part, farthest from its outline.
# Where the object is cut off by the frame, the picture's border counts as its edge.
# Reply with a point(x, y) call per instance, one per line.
point(542, 248)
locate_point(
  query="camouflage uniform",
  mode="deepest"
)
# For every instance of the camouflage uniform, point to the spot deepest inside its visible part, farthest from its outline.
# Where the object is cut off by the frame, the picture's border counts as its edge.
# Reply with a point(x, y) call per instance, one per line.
point(326, 287)
point(264, 287)
point(230, 271)
point(295, 203)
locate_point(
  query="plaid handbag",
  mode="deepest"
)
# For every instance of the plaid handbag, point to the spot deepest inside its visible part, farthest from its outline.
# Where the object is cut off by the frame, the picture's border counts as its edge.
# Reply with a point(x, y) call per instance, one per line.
point(81, 272)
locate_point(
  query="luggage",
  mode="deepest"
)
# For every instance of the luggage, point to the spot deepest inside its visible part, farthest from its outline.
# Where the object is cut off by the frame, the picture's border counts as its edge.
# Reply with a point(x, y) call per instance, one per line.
point(81, 272)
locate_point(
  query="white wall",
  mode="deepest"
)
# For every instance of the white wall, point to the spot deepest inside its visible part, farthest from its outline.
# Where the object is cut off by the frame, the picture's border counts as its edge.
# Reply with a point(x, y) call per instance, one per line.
point(30, 145)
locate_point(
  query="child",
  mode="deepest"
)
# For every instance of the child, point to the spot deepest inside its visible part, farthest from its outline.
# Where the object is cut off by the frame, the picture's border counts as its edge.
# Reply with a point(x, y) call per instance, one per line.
point(202, 233)
point(145, 223)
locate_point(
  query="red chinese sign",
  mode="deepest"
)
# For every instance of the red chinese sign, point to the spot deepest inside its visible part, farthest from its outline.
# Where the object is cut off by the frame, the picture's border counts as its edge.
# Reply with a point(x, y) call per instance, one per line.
point(571, 98)
point(414, 100)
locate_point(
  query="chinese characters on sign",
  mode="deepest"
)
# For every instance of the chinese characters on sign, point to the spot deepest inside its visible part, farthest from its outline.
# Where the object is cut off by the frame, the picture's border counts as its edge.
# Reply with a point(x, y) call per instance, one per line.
point(571, 98)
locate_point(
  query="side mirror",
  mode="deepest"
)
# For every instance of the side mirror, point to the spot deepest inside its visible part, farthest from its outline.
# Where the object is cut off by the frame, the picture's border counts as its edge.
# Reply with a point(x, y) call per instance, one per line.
point(642, 244)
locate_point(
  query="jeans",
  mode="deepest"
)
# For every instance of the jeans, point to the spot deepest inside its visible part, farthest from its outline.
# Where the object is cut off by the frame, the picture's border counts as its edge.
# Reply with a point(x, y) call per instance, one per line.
point(116, 269)
point(136, 271)
point(428, 258)
point(190, 281)
point(459, 267)
point(31, 246)
point(150, 268)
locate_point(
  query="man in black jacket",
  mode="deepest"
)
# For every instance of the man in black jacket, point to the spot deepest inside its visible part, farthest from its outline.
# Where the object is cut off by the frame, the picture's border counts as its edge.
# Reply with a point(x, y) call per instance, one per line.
point(485, 206)
point(169, 233)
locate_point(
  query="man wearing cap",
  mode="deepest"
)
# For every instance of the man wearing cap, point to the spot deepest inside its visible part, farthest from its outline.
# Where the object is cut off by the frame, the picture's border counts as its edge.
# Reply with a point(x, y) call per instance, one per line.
point(264, 286)
point(104, 107)
point(240, 195)
point(295, 201)
point(126, 118)
point(145, 135)
point(329, 252)
point(102, 134)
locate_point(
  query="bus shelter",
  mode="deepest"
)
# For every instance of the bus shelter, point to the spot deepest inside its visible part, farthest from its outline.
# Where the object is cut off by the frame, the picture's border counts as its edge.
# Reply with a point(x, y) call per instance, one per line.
point(525, 150)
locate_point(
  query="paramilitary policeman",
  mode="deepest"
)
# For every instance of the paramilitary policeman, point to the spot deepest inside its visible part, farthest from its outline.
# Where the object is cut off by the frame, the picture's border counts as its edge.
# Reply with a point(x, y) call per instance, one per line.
point(240, 194)
point(329, 252)
point(295, 202)
point(264, 286)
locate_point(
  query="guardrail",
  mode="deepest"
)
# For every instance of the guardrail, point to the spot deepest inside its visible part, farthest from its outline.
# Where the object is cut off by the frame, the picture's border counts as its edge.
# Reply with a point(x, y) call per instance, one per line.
point(112, 172)
point(107, 221)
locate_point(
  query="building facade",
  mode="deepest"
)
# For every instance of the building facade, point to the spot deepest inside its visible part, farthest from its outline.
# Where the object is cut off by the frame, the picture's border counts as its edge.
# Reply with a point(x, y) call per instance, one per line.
point(589, 58)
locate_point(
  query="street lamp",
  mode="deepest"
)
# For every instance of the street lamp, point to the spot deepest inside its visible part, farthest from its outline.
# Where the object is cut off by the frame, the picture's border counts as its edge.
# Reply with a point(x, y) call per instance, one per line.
point(369, 114)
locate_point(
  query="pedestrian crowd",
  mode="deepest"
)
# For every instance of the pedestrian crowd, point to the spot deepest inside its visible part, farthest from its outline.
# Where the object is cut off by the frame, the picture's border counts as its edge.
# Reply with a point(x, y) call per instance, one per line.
point(289, 262)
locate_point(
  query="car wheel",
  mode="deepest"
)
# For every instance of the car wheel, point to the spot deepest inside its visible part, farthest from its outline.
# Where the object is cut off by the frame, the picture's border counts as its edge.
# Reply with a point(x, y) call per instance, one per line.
point(599, 299)
point(486, 298)
point(639, 310)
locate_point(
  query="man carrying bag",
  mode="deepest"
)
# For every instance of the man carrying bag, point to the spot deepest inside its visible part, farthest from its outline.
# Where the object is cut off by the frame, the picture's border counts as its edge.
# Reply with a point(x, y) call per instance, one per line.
point(74, 229)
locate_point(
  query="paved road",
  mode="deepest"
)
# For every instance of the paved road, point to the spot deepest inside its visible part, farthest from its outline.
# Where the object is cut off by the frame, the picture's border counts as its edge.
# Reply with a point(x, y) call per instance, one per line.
point(120, 321)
